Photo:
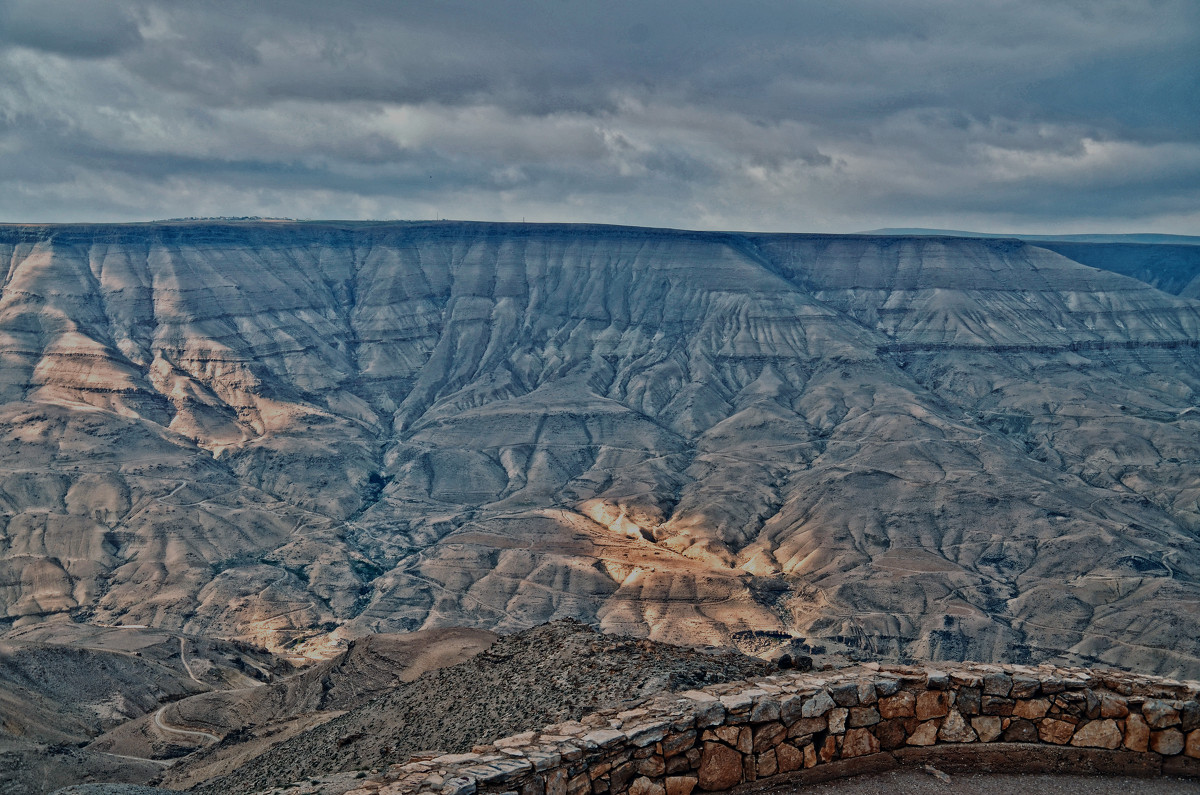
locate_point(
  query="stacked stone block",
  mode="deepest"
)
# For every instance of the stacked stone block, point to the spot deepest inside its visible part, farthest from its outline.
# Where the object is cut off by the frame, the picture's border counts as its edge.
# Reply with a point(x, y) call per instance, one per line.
point(723, 736)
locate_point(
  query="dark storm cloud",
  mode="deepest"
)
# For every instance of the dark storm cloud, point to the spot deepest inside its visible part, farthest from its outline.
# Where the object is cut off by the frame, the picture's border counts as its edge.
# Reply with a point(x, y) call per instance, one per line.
point(76, 29)
point(763, 114)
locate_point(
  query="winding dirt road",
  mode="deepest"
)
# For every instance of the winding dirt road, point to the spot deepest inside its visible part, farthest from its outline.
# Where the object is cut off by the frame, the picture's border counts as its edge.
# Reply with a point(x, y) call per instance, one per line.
point(207, 736)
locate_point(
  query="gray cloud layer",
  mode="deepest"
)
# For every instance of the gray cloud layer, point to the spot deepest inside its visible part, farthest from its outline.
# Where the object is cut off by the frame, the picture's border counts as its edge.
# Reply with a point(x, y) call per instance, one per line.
point(998, 115)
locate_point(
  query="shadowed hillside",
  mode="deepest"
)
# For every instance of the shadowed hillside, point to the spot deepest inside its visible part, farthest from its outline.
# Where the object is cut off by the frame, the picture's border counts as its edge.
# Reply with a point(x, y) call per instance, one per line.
point(290, 433)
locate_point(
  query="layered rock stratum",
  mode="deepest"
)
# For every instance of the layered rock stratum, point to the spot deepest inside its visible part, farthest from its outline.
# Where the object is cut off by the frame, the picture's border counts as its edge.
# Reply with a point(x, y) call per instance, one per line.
point(295, 434)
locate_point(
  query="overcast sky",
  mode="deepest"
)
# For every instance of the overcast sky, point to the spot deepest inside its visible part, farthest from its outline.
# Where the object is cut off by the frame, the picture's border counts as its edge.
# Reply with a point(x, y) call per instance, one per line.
point(1004, 115)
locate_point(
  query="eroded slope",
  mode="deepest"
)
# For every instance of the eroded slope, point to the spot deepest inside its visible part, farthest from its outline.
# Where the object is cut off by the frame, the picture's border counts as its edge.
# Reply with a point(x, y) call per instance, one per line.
point(935, 447)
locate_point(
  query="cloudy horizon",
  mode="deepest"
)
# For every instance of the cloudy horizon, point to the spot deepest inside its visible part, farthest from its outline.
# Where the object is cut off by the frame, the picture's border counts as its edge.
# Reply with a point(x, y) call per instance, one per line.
point(998, 116)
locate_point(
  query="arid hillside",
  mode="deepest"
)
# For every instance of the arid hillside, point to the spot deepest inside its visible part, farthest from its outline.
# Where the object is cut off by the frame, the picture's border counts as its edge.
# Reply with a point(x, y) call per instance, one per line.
point(293, 434)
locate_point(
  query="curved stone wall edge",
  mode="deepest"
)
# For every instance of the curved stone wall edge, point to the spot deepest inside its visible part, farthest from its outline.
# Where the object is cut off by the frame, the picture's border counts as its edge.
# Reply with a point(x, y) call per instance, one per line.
point(795, 727)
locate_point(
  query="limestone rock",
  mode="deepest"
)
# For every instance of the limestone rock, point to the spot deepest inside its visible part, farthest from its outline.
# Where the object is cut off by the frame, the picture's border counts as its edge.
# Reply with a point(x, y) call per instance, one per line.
point(766, 764)
point(1098, 734)
point(955, 729)
point(859, 742)
point(937, 680)
point(1191, 746)
point(1160, 714)
point(645, 786)
point(987, 727)
point(818, 705)
point(886, 686)
point(1055, 731)
point(932, 704)
point(862, 716)
point(829, 749)
point(720, 767)
point(1021, 731)
point(791, 709)
point(901, 705)
point(765, 709)
point(925, 734)
point(806, 726)
point(1113, 706)
point(679, 785)
point(1167, 742)
point(768, 736)
point(789, 758)
point(1025, 686)
point(1137, 733)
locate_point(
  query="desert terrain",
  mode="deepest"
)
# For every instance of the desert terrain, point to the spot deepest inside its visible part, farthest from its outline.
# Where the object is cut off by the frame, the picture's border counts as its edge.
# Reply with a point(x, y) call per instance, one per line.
point(231, 450)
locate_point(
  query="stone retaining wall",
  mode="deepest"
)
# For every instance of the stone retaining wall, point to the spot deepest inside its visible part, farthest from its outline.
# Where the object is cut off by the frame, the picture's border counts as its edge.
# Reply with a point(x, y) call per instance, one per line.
point(783, 727)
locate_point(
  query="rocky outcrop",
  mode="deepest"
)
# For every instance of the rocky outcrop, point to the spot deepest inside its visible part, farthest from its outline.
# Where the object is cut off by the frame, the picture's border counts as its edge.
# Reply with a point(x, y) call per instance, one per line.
point(797, 727)
point(556, 672)
point(298, 434)
point(263, 715)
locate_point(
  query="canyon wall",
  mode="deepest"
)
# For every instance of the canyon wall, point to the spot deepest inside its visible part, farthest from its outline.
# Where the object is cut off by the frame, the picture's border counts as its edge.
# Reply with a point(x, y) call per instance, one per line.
point(297, 433)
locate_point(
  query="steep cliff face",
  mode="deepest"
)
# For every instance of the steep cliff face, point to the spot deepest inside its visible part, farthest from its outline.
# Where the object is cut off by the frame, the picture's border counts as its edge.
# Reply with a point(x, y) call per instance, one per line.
point(928, 446)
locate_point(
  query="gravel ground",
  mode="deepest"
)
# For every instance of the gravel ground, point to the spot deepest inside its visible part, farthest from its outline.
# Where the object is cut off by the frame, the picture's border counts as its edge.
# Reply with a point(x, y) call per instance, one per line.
point(110, 789)
point(555, 672)
point(915, 782)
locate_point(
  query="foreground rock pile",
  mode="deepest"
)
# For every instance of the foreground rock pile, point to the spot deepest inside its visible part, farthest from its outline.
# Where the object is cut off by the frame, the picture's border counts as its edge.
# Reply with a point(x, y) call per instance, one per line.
point(560, 671)
point(723, 735)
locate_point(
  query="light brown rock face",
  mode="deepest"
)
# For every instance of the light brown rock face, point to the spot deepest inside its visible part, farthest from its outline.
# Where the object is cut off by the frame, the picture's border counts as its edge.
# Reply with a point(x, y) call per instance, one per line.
point(1098, 734)
point(859, 742)
point(720, 767)
point(1054, 731)
point(951, 448)
point(901, 705)
point(955, 729)
point(680, 785)
point(1137, 733)
point(1192, 745)
point(932, 704)
point(791, 758)
point(987, 727)
point(1167, 742)
point(925, 734)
